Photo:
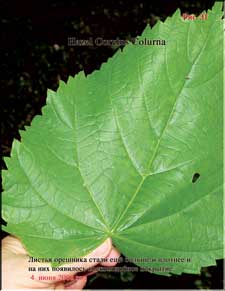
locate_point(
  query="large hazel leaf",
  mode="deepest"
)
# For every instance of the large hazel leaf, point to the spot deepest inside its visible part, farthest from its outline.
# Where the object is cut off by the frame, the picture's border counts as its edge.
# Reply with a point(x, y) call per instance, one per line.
point(118, 154)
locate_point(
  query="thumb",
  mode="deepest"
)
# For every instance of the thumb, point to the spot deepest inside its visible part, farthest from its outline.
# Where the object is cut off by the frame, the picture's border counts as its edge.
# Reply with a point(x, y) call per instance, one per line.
point(16, 259)
point(96, 256)
point(91, 260)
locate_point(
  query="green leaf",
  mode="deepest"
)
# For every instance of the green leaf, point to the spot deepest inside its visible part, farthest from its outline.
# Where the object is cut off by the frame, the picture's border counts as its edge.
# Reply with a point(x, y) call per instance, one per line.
point(132, 152)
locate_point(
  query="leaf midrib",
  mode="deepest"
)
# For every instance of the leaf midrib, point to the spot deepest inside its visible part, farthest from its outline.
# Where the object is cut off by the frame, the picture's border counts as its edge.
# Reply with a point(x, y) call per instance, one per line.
point(116, 224)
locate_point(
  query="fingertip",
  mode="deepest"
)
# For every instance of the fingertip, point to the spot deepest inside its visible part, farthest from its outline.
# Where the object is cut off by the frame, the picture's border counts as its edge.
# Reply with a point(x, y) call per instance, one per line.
point(104, 249)
point(112, 258)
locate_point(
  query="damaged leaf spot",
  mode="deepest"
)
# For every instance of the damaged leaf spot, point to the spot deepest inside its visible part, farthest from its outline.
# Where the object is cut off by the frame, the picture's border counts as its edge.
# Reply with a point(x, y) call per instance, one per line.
point(195, 177)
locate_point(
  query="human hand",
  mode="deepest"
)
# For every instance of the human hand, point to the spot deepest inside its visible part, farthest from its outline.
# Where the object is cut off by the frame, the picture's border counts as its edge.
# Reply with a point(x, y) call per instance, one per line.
point(15, 274)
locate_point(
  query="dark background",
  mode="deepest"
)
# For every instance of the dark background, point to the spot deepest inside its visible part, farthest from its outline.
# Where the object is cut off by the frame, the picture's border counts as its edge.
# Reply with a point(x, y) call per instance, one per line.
point(35, 56)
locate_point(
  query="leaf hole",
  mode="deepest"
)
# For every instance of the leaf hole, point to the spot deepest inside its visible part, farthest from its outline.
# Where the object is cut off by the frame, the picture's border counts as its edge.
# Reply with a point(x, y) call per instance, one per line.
point(195, 177)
